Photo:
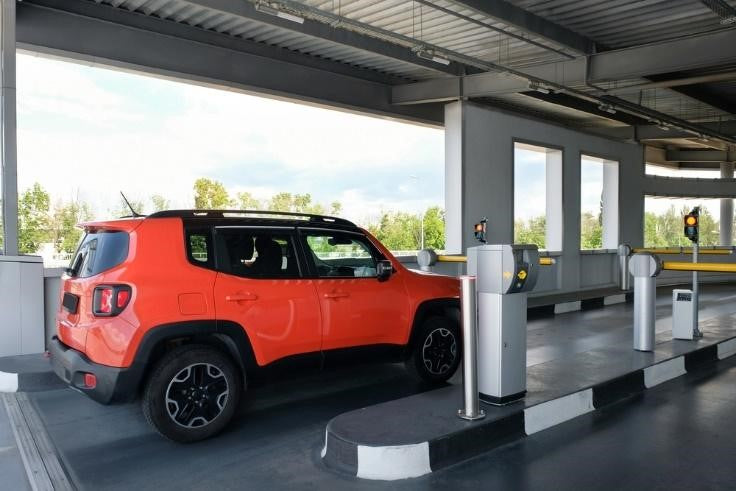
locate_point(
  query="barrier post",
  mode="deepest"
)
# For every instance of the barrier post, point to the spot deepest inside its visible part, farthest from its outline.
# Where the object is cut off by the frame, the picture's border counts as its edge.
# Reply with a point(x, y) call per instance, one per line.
point(624, 279)
point(471, 410)
point(696, 330)
point(644, 267)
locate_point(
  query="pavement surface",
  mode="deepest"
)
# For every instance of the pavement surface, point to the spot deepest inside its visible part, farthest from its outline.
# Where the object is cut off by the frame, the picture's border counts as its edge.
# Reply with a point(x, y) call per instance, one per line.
point(676, 436)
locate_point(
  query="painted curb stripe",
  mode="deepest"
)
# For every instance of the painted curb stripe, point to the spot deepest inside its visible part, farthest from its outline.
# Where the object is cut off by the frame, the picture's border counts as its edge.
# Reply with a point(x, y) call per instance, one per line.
point(614, 299)
point(726, 349)
point(551, 413)
point(8, 382)
point(618, 389)
point(392, 463)
point(662, 372)
point(704, 355)
point(407, 461)
point(562, 308)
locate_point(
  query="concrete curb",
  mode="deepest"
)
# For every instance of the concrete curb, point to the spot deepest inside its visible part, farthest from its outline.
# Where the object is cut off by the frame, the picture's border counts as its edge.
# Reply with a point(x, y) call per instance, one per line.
point(421, 458)
point(27, 373)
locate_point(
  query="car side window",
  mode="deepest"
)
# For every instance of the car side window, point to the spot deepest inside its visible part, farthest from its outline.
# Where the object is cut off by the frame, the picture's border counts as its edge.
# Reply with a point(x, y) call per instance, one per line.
point(341, 255)
point(256, 253)
point(199, 247)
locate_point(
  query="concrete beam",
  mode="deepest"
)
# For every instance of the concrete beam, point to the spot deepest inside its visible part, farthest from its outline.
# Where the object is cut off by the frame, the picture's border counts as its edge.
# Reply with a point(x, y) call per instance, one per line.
point(116, 38)
point(700, 156)
point(653, 132)
point(704, 50)
point(327, 32)
point(688, 187)
point(531, 23)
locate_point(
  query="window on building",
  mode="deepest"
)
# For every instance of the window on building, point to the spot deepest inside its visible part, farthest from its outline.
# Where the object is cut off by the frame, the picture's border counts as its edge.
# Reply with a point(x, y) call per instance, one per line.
point(598, 203)
point(663, 221)
point(538, 196)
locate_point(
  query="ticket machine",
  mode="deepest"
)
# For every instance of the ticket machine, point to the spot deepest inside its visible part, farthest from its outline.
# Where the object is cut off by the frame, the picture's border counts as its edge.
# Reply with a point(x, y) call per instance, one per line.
point(504, 274)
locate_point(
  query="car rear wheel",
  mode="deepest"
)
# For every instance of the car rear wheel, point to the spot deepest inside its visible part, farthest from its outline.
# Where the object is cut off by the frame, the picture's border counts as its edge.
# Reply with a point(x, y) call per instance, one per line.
point(192, 393)
point(436, 352)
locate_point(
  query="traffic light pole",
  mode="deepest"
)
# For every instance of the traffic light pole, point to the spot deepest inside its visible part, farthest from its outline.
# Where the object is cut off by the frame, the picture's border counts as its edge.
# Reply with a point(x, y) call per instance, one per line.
point(696, 330)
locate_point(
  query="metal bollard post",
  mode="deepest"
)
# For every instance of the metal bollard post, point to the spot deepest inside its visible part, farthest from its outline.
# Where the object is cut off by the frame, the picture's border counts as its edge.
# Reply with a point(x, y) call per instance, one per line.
point(696, 331)
point(624, 281)
point(645, 267)
point(469, 316)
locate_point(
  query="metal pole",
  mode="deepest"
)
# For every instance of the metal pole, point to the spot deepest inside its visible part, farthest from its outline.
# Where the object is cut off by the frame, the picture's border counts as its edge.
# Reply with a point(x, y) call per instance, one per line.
point(469, 315)
point(624, 251)
point(644, 267)
point(696, 330)
point(645, 294)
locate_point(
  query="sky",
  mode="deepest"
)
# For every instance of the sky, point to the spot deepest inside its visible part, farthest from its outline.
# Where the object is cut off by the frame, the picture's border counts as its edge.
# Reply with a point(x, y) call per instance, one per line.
point(92, 132)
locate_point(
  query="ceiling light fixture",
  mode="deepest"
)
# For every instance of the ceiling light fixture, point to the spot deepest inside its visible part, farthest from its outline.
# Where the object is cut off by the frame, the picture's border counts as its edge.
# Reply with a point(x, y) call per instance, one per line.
point(536, 86)
point(429, 54)
point(270, 9)
point(663, 126)
point(607, 108)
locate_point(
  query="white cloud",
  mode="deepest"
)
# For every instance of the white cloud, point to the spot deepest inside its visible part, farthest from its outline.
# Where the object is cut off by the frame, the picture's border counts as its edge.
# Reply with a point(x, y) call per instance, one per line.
point(92, 132)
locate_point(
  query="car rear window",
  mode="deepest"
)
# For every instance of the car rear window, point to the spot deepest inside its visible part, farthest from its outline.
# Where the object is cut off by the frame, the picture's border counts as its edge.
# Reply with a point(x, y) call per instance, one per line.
point(98, 252)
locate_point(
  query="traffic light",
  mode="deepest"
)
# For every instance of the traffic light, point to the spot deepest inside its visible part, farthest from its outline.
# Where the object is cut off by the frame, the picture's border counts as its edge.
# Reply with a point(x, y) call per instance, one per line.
point(480, 230)
point(691, 225)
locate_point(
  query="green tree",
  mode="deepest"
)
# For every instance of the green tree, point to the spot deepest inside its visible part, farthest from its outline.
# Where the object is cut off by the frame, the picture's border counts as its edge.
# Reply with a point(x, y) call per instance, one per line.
point(591, 231)
point(33, 219)
point(160, 203)
point(397, 230)
point(533, 231)
point(64, 231)
point(434, 228)
point(210, 195)
point(246, 201)
point(124, 211)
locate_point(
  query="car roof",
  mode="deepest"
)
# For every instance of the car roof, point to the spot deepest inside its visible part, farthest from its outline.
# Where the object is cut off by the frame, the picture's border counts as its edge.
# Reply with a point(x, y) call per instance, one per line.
point(256, 217)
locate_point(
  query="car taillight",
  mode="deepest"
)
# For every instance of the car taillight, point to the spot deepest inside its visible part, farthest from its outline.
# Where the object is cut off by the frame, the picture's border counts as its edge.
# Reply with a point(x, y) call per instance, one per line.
point(110, 300)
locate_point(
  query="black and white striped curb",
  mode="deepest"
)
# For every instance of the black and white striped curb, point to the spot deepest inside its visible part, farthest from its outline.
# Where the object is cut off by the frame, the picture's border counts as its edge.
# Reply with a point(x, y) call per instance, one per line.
point(408, 461)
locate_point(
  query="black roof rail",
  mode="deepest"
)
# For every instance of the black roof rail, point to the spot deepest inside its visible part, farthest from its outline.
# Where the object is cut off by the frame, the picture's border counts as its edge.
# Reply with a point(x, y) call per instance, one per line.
point(308, 217)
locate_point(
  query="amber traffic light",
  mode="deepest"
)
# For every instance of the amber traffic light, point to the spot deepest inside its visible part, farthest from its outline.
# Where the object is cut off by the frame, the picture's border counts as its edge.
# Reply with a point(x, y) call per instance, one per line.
point(691, 226)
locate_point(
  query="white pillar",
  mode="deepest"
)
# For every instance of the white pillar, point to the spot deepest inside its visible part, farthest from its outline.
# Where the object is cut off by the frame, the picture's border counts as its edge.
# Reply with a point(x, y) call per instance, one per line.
point(610, 205)
point(554, 210)
point(8, 171)
point(727, 208)
point(454, 178)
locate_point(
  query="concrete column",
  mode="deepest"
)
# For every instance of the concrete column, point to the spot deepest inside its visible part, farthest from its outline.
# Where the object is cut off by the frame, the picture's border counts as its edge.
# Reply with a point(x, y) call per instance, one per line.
point(610, 205)
point(8, 172)
point(554, 209)
point(454, 178)
point(727, 208)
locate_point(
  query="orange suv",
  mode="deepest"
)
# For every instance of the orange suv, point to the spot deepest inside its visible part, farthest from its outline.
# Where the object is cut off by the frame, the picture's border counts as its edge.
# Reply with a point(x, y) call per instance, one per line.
point(189, 308)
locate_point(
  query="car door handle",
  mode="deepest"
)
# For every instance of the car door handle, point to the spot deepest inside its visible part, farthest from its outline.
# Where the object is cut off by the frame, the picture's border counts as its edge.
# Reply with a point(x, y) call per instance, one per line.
point(336, 295)
point(241, 297)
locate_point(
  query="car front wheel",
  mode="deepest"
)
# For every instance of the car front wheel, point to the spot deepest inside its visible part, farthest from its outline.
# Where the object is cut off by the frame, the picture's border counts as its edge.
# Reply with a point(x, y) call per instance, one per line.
point(436, 352)
point(191, 394)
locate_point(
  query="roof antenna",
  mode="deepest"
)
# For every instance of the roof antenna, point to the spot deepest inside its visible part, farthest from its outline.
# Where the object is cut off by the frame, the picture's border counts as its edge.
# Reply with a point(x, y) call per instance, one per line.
point(133, 213)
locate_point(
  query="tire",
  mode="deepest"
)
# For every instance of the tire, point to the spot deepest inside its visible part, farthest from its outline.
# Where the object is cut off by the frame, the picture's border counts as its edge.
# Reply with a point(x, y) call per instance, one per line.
point(192, 393)
point(436, 351)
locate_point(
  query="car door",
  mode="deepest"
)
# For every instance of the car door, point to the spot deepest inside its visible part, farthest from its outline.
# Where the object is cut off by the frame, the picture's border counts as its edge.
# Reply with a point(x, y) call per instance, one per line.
point(357, 308)
point(259, 285)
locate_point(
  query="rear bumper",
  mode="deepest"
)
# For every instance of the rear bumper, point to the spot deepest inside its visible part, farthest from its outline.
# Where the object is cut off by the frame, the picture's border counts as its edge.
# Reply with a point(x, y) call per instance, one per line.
point(113, 384)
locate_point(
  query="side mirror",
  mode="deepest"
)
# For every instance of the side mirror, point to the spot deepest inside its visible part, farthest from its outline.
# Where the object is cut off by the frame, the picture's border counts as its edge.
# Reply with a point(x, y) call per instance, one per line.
point(384, 269)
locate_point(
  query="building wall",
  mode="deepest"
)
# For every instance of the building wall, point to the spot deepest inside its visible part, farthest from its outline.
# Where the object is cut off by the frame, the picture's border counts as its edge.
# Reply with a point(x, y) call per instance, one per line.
point(480, 177)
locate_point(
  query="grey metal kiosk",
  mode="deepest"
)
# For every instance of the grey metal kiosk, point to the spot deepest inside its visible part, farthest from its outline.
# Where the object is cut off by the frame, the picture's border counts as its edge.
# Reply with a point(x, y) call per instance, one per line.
point(505, 273)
